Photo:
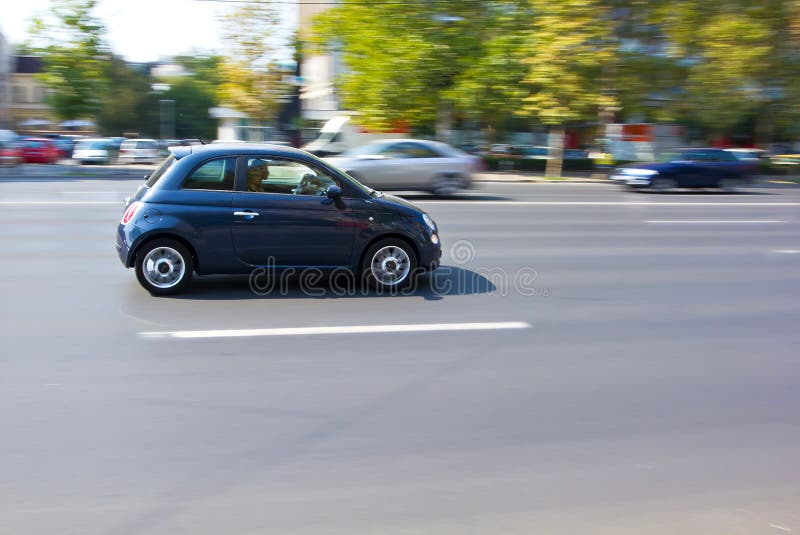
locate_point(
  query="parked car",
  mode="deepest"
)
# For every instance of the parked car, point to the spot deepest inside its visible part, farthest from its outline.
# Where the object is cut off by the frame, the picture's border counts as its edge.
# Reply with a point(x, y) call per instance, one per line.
point(140, 151)
point(687, 168)
point(10, 154)
point(39, 150)
point(64, 143)
point(224, 209)
point(97, 150)
point(403, 164)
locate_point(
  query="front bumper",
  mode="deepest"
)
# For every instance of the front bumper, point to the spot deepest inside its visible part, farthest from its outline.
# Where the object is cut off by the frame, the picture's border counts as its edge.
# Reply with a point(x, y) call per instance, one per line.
point(630, 180)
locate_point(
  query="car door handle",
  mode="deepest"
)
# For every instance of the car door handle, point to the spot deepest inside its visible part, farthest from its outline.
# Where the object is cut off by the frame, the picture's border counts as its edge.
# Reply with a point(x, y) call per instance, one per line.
point(246, 214)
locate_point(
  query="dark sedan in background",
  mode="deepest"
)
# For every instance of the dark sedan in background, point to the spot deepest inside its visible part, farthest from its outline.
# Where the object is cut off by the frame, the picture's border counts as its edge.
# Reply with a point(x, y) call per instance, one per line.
point(687, 168)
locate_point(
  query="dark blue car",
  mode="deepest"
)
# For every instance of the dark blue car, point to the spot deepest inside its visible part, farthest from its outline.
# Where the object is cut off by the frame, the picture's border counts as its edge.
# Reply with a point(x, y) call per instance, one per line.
point(227, 209)
point(687, 168)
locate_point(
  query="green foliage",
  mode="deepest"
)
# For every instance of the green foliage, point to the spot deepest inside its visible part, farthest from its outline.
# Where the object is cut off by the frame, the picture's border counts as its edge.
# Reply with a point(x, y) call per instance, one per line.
point(193, 97)
point(408, 61)
point(75, 57)
point(251, 81)
point(129, 104)
point(570, 53)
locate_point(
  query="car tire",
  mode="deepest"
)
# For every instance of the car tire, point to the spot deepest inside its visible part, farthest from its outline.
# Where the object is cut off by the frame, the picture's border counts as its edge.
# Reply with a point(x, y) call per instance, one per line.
point(389, 264)
point(164, 266)
point(447, 184)
point(729, 185)
point(662, 184)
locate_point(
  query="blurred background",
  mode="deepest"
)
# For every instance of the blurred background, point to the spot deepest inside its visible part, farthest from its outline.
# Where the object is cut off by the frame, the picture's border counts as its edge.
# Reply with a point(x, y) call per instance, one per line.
point(578, 80)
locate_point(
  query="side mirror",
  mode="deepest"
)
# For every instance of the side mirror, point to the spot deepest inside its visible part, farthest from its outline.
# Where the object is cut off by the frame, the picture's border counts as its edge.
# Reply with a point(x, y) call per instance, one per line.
point(334, 192)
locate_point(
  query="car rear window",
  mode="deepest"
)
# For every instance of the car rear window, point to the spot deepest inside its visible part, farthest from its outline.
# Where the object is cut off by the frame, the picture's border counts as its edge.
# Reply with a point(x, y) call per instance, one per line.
point(161, 171)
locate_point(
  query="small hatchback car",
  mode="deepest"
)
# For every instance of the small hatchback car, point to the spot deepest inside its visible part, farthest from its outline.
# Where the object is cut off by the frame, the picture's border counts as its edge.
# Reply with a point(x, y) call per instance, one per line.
point(228, 209)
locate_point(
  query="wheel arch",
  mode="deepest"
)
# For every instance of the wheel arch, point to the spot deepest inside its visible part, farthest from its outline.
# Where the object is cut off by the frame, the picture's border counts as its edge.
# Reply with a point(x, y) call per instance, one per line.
point(387, 236)
point(157, 235)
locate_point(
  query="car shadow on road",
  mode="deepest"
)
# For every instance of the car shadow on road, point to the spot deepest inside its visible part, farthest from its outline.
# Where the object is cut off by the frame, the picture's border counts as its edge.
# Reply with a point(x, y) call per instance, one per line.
point(444, 282)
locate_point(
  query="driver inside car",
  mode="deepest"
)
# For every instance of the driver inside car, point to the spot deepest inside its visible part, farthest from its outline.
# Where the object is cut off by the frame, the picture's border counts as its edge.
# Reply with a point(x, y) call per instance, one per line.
point(257, 172)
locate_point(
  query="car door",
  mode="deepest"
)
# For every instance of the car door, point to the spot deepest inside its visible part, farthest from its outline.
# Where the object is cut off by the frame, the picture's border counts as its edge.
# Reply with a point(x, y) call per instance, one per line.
point(420, 164)
point(200, 211)
point(289, 220)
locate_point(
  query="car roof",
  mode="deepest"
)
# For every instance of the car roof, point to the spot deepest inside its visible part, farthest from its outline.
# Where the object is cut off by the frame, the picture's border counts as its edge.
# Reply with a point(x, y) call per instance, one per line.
point(223, 149)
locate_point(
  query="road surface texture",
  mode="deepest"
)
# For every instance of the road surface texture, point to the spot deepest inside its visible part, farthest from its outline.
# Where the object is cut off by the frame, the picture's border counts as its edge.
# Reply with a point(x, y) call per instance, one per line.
point(629, 365)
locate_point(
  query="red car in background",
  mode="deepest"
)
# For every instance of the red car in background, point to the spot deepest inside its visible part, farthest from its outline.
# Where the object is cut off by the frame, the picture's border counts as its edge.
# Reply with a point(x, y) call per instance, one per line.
point(10, 154)
point(39, 150)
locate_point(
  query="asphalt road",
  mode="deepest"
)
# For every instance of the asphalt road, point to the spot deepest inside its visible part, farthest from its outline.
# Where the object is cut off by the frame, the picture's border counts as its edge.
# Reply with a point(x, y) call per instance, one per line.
point(651, 385)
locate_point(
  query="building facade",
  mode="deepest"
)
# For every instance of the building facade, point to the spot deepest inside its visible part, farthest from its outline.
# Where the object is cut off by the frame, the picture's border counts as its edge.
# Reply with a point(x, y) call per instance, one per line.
point(318, 99)
point(5, 84)
point(29, 109)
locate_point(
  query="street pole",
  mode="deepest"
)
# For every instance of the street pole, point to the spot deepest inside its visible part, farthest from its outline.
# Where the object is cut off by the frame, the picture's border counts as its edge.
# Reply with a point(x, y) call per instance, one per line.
point(167, 114)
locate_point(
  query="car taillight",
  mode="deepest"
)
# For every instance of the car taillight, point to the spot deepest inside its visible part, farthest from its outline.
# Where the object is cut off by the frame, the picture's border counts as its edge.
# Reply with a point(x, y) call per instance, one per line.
point(130, 212)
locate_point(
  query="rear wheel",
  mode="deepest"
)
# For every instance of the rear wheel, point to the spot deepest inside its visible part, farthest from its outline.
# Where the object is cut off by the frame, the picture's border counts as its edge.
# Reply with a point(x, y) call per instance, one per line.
point(164, 266)
point(389, 264)
point(447, 184)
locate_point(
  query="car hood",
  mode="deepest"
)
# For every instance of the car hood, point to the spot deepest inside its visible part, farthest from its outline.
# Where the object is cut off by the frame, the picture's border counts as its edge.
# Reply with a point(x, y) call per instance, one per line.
point(403, 205)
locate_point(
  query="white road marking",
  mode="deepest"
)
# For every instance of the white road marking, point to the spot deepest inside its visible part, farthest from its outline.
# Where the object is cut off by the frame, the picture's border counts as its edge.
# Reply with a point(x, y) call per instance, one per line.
point(343, 329)
point(787, 251)
point(715, 222)
point(781, 528)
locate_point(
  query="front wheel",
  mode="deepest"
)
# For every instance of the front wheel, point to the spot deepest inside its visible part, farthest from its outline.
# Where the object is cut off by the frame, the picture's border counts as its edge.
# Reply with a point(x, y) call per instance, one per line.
point(731, 185)
point(662, 184)
point(389, 264)
point(164, 266)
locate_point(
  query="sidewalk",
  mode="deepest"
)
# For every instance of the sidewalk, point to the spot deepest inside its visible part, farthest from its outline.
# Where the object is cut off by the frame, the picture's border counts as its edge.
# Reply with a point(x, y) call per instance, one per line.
point(601, 178)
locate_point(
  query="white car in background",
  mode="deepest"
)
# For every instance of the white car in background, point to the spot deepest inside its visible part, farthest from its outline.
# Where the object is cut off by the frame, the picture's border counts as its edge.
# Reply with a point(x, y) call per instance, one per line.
point(410, 164)
point(97, 150)
point(140, 151)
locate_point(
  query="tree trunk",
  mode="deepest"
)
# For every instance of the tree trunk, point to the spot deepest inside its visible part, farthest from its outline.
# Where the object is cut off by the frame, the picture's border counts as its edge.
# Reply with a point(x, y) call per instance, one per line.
point(555, 154)
point(444, 122)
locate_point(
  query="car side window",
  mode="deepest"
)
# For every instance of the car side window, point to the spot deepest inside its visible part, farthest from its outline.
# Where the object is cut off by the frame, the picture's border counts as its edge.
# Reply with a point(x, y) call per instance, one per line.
point(418, 150)
point(394, 151)
point(213, 175)
point(287, 177)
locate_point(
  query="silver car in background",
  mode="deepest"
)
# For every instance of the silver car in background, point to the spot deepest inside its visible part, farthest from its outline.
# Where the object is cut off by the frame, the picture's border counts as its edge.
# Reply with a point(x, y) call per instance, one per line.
point(410, 164)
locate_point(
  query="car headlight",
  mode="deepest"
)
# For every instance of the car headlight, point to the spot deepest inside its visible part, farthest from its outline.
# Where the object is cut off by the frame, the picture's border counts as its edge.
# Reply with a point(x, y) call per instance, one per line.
point(632, 171)
point(429, 222)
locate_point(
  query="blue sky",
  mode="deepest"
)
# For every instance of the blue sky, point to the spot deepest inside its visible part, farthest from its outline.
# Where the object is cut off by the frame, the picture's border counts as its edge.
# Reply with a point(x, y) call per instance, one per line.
point(143, 30)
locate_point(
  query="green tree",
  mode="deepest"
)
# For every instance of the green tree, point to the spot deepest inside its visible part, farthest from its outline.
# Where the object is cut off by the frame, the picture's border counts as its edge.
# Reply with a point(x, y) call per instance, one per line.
point(193, 98)
point(252, 80)
point(129, 104)
point(414, 62)
point(742, 61)
point(75, 57)
point(570, 55)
